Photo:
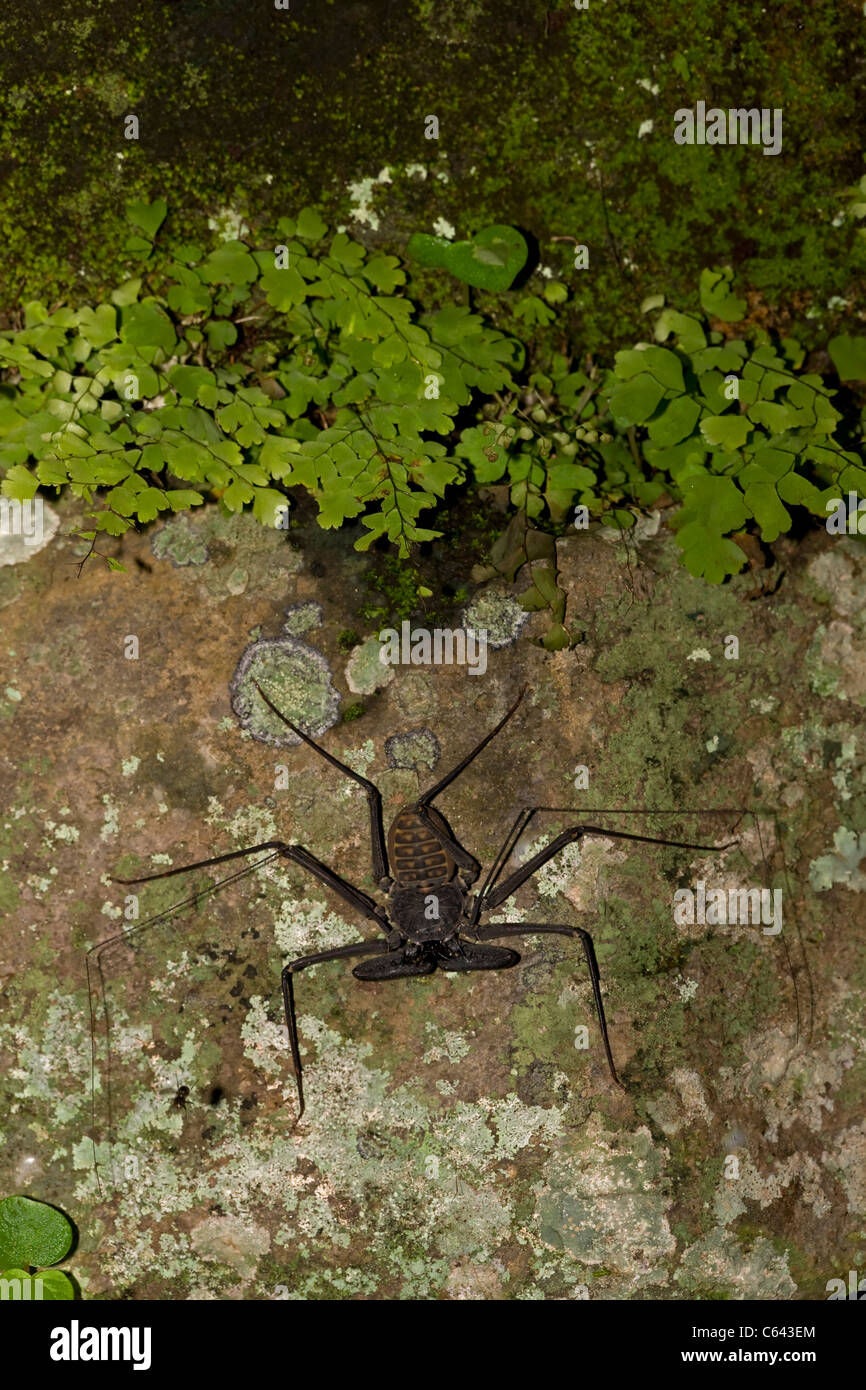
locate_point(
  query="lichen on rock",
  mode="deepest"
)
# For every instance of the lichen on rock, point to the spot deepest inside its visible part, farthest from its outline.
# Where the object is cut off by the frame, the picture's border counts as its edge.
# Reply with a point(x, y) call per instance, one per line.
point(297, 679)
point(417, 748)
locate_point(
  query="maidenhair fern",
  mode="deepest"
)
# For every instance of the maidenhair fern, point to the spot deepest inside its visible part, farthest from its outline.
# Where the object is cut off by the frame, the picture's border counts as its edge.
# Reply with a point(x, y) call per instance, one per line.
point(343, 385)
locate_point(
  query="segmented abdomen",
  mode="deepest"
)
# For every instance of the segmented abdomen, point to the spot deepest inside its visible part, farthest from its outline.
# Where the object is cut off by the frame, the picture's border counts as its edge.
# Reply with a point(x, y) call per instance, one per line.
point(417, 858)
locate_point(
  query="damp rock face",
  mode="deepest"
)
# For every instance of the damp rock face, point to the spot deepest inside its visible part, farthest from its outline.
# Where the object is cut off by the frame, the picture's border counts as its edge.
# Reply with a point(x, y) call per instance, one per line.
point(462, 1137)
point(232, 553)
point(418, 749)
point(298, 680)
point(609, 1207)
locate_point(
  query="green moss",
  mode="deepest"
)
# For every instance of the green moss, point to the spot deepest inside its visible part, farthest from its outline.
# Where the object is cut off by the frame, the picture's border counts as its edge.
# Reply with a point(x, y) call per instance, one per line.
point(397, 583)
point(649, 210)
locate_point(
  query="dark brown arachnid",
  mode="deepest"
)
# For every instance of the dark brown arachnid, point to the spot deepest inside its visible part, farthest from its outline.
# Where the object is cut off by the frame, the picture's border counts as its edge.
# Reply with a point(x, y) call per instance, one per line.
point(432, 917)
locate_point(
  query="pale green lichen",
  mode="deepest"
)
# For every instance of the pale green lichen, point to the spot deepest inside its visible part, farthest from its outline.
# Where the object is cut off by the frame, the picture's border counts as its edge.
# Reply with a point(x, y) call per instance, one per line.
point(365, 671)
point(606, 1203)
point(231, 551)
point(297, 678)
point(180, 542)
point(226, 1240)
point(302, 617)
point(359, 759)
point(446, 1044)
point(418, 749)
point(303, 927)
point(836, 659)
point(66, 834)
point(842, 865)
point(848, 1162)
point(718, 1263)
point(237, 581)
point(111, 819)
point(498, 614)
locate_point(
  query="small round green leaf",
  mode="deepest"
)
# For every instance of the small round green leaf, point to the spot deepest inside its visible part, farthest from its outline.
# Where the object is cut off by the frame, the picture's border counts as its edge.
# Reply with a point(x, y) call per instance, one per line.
point(56, 1286)
point(555, 292)
point(220, 334)
point(51, 1286)
point(127, 293)
point(491, 260)
point(556, 638)
point(32, 1233)
point(677, 422)
point(145, 325)
point(428, 250)
point(687, 329)
point(188, 380)
point(230, 264)
point(717, 298)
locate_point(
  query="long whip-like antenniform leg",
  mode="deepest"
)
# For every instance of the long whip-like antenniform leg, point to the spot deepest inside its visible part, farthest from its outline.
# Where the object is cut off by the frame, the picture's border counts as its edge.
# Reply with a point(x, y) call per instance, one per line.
point(521, 821)
point(526, 814)
point(95, 953)
point(537, 929)
point(458, 852)
point(355, 897)
point(488, 899)
point(360, 948)
point(374, 796)
point(431, 795)
point(498, 895)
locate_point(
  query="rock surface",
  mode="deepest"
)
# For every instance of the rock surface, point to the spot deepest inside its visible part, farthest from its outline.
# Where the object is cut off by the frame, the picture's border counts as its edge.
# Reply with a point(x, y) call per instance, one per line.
point(462, 1136)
